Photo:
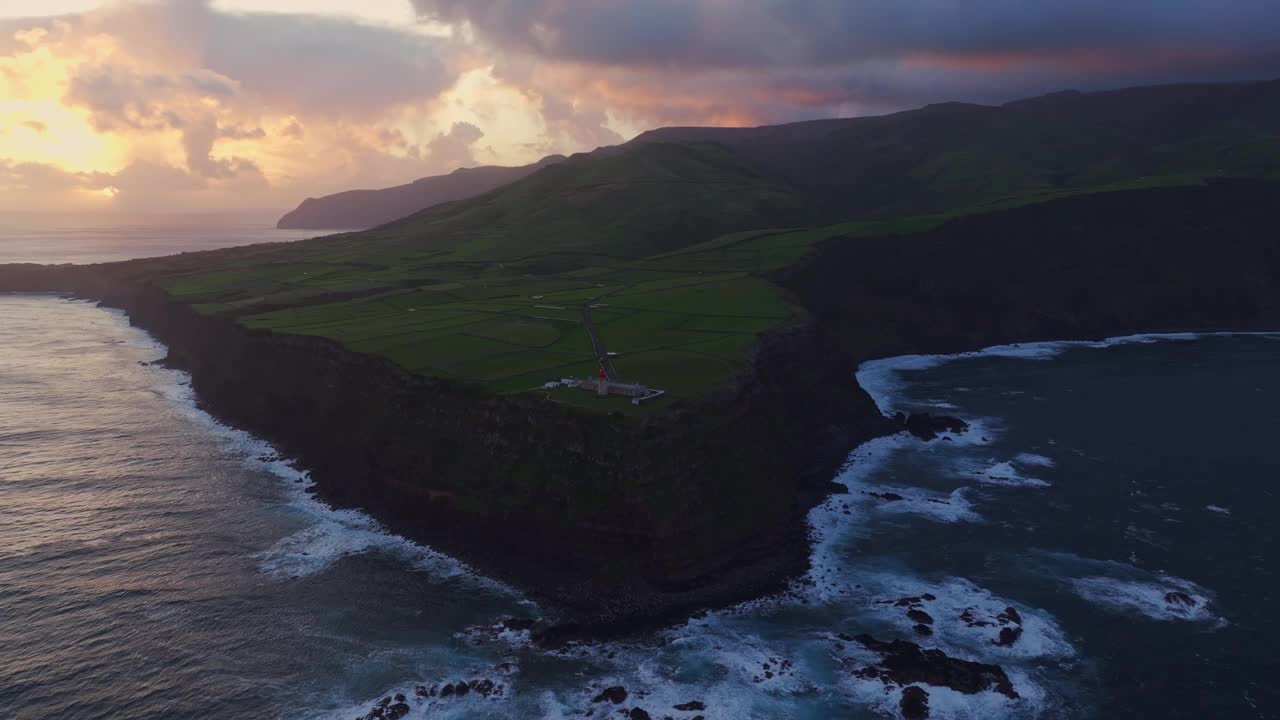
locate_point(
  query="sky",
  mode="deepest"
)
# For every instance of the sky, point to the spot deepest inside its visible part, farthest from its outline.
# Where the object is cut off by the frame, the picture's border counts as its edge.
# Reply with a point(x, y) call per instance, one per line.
point(220, 104)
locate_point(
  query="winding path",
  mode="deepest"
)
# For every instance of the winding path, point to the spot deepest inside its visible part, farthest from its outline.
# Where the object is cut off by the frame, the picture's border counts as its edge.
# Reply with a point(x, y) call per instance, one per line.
point(602, 354)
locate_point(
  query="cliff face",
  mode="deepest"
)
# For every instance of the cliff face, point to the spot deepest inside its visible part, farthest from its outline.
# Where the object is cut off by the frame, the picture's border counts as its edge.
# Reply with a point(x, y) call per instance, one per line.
point(1090, 266)
point(617, 520)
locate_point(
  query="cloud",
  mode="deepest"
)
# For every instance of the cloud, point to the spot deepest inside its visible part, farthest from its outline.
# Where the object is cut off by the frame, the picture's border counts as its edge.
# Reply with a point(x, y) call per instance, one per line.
point(721, 34)
point(165, 99)
point(452, 149)
point(320, 66)
point(720, 61)
point(118, 96)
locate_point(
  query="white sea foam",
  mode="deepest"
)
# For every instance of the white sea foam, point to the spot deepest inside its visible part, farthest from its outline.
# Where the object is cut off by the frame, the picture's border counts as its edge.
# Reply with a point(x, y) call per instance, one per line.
point(966, 619)
point(1034, 459)
point(948, 704)
point(331, 533)
point(881, 378)
point(937, 506)
point(998, 473)
point(1217, 509)
point(1147, 598)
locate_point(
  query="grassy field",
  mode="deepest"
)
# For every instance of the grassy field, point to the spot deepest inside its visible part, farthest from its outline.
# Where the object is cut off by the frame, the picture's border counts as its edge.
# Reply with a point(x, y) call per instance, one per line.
point(475, 306)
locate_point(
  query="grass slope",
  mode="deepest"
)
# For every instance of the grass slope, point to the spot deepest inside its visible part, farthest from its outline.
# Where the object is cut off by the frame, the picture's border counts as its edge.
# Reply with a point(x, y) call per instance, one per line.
point(670, 243)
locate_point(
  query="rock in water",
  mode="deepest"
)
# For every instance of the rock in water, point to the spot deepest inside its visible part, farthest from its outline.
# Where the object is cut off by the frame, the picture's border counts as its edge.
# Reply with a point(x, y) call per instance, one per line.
point(1179, 599)
point(615, 695)
point(397, 711)
point(692, 705)
point(920, 616)
point(929, 427)
point(1008, 636)
point(638, 714)
point(915, 703)
point(905, 663)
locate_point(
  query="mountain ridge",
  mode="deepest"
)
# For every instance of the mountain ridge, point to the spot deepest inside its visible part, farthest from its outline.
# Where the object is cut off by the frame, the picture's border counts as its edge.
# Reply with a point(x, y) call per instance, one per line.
point(366, 208)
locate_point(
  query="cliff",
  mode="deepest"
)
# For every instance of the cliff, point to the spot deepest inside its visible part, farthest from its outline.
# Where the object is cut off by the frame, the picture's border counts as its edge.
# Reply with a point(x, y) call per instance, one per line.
point(1084, 267)
point(619, 522)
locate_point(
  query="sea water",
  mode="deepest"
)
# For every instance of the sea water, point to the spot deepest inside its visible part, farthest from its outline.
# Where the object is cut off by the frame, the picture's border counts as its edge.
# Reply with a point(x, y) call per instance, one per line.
point(88, 238)
point(157, 564)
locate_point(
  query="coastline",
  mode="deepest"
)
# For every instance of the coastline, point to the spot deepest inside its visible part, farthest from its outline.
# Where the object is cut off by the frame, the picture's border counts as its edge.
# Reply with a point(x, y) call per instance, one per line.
point(625, 524)
point(236, 375)
point(572, 626)
point(875, 376)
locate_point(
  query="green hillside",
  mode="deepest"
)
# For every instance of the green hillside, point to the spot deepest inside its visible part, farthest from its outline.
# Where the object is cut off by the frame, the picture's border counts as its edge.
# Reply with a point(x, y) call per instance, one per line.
point(668, 244)
point(954, 155)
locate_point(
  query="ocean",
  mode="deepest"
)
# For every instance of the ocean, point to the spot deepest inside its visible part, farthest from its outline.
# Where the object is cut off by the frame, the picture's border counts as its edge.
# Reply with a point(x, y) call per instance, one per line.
point(155, 563)
point(93, 238)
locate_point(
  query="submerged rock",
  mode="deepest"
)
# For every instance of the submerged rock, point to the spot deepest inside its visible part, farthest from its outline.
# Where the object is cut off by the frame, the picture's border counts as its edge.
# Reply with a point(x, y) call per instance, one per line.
point(1179, 599)
point(915, 703)
point(692, 705)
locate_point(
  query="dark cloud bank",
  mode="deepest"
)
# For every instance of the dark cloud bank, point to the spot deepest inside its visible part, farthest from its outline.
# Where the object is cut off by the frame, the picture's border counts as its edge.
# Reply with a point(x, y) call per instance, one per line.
point(803, 58)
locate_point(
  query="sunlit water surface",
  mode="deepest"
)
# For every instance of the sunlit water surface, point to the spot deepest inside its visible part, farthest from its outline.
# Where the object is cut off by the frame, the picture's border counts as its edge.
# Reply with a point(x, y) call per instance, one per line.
point(80, 239)
point(154, 564)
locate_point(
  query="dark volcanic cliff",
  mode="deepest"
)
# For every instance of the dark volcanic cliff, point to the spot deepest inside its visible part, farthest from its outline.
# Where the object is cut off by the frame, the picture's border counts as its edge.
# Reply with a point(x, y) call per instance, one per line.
point(621, 521)
point(1089, 266)
point(625, 520)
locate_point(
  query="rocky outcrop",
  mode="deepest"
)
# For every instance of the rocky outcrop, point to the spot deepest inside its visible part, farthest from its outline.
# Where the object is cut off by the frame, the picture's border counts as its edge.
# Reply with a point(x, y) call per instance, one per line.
point(905, 663)
point(930, 427)
point(616, 695)
point(914, 704)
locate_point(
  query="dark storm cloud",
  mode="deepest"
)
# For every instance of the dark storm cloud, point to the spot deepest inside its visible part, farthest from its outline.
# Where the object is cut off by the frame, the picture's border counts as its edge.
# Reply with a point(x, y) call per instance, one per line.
point(762, 33)
point(784, 59)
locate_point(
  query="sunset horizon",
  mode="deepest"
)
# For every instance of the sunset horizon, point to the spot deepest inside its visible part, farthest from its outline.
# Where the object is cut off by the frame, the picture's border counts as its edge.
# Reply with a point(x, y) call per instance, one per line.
point(203, 104)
